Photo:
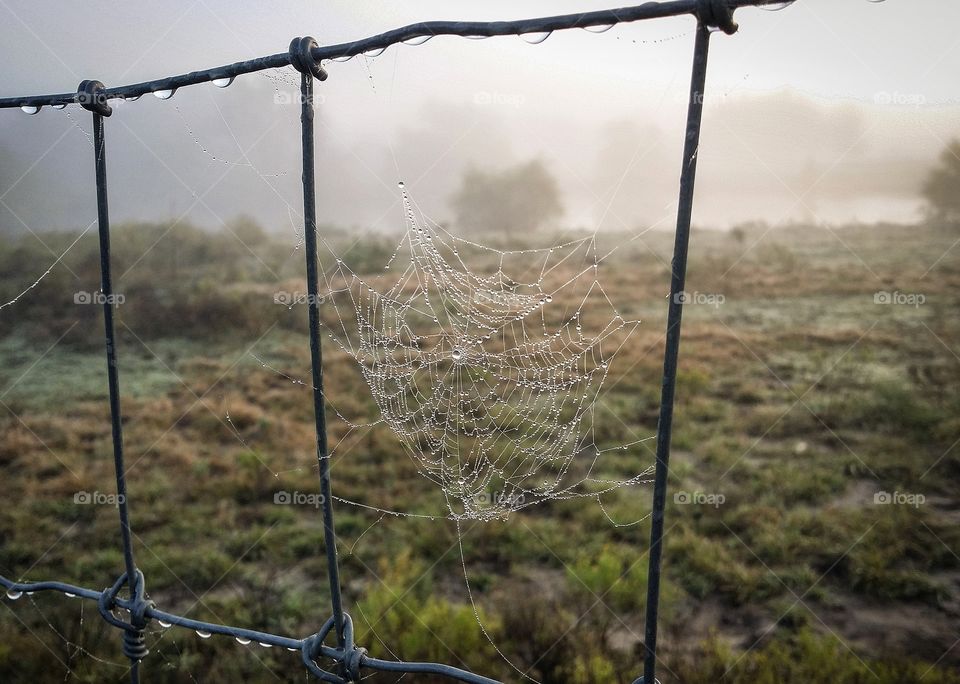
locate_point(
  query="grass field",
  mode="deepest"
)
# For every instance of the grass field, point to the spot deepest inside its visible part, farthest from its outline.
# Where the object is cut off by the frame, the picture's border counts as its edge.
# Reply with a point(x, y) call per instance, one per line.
point(813, 528)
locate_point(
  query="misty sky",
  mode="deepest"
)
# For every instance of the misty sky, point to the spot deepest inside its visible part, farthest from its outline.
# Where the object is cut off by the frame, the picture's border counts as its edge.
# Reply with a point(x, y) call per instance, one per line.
point(827, 110)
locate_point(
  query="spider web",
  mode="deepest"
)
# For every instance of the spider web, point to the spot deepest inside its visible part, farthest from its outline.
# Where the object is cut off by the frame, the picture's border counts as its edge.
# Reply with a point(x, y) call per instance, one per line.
point(487, 364)
point(484, 365)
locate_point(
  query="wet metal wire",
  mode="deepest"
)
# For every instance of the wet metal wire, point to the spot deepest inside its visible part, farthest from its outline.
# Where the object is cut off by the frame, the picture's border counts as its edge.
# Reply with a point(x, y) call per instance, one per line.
point(348, 661)
point(671, 354)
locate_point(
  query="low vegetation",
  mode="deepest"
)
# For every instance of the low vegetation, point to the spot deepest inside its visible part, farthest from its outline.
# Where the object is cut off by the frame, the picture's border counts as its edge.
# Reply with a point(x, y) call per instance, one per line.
point(812, 523)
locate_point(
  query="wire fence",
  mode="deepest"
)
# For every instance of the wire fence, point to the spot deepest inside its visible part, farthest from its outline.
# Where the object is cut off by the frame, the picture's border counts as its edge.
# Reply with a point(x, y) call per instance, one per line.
point(345, 661)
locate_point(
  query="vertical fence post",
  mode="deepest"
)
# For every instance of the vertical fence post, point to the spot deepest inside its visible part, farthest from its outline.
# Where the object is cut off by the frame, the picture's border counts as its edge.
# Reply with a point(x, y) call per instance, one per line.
point(301, 59)
point(672, 350)
point(92, 99)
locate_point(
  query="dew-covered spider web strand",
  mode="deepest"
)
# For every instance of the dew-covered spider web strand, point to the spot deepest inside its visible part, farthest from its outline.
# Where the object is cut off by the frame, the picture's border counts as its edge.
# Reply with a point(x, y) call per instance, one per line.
point(487, 364)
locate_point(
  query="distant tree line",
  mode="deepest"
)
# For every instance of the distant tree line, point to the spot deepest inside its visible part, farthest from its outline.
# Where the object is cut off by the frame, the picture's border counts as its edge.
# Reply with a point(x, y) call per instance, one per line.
point(512, 201)
point(942, 186)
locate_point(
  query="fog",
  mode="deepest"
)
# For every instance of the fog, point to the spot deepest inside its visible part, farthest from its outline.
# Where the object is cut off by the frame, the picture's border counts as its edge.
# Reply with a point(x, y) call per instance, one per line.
point(821, 112)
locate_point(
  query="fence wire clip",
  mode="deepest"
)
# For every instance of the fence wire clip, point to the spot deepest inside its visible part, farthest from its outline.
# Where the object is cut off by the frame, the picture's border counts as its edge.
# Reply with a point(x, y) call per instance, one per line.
point(134, 644)
point(301, 57)
point(717, 14)
point(92, 95)
point(349, 659)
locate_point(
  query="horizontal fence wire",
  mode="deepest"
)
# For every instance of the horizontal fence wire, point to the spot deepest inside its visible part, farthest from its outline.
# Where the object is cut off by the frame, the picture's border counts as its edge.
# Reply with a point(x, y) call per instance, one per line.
point(306, 56)
point(426, 29)
point(308, 647)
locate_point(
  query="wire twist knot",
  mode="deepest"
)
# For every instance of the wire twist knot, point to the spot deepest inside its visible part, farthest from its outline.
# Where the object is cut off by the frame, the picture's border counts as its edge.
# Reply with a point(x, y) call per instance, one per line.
point(92, 95)
point(717, 14)
point(349, 659)
point(301, 57)
point(134, 643)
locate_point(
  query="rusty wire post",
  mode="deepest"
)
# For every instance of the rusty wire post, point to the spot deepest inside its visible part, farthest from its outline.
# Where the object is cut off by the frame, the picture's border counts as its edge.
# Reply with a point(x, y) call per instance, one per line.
point(309, 69)
point(711, 14)
point(91, 97)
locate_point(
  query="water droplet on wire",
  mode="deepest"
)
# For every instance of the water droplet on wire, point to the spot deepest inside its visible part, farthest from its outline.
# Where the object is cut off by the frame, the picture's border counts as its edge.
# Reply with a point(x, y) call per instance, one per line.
point(30, 109)
point(417, 40)
point(777, 6)
point(164, 94)
point(535, 38)
point(14, 595)
point(243, 641)
point(222, 82)
point(203, 634)
point(165, 624)
point(599, 28)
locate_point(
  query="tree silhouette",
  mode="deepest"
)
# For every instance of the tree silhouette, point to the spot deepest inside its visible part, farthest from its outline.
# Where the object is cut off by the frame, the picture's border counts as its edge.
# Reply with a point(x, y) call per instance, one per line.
point(942, 186)
point(518, 199)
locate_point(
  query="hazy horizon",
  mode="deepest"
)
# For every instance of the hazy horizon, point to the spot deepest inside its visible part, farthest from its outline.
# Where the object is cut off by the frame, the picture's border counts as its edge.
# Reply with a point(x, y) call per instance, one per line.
point(808, 111)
